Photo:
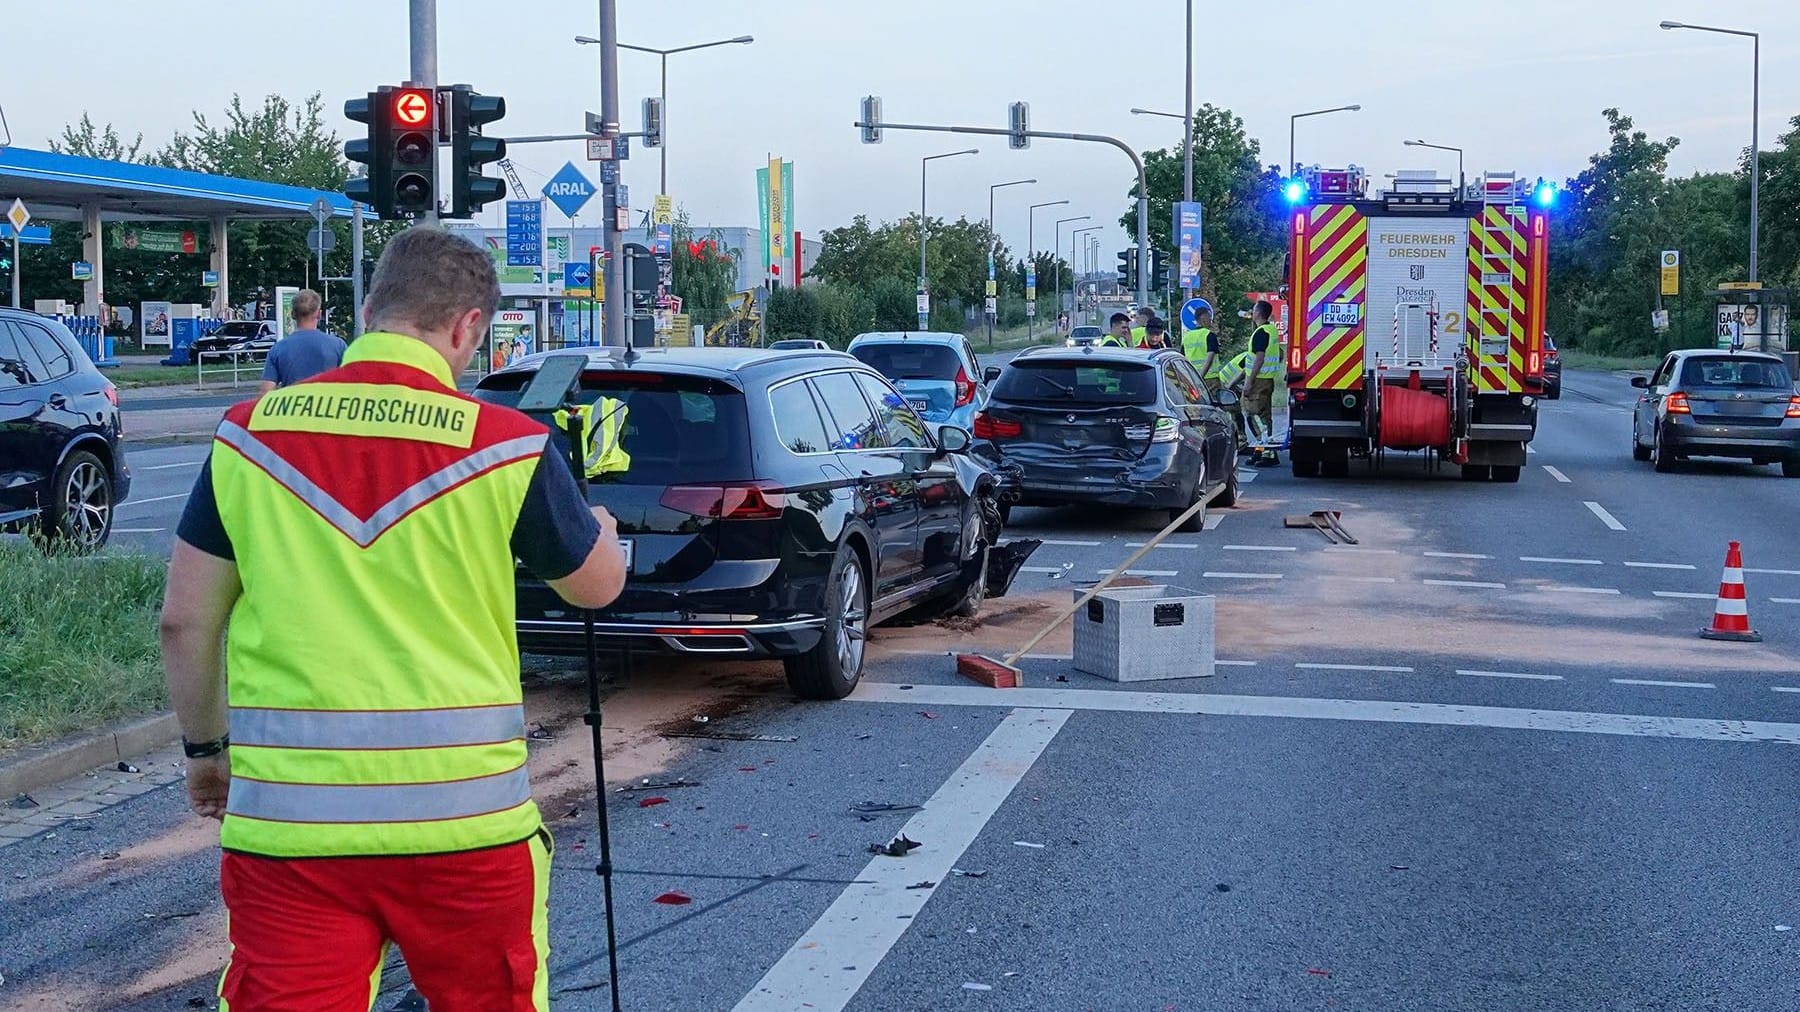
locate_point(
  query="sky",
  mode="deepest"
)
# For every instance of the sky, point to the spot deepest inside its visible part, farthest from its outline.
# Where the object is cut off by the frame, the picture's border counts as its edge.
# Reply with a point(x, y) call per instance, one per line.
point(1520, 84)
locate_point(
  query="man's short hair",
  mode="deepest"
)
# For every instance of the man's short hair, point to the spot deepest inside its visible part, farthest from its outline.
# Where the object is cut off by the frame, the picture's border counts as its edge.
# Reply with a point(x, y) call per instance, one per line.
point(1146, 311)
point(1263, 307)
point(1118, 318)
point(1155, 326)
point(306, 304)
point(427, 277)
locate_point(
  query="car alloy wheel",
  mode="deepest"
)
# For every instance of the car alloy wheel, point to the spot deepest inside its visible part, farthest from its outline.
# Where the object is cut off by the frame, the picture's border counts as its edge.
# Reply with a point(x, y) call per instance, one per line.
point(853, 624)
point(86, 505)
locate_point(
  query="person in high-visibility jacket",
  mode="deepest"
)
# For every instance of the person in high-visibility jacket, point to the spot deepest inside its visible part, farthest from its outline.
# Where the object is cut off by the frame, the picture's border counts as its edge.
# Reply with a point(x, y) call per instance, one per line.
point(1140, 329)
point(1265, 367)
point(1202, 348)
point(357, 535)
point(602, 428)
point(1119, 334)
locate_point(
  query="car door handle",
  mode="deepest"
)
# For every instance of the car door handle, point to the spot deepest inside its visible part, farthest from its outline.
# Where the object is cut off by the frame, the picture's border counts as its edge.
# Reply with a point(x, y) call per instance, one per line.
point(57, 401)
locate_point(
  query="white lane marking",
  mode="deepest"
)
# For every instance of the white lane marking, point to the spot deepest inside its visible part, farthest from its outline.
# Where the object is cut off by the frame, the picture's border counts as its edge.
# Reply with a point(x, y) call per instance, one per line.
point(1606, 518)
point(1234, 664)
point(1508, 674)
point(1456, 555)
point(829, 964)
point(1775, 572)
point(1360, 579)
point(1530, 449)
point(1659, 565)
point(1360, 550)
point(1784, 688)
point(145, 502)
point(139, 530)
point(1354, 667)
point(165, 467)
point(1662, 684)
point(1241, 576)
point(1142, 572)
point(1260, 548)
point(1564, 562)
point(1166, 544)
point(1042, 569)
point(1580, 590)
point(1684, 595)
point(1473, 584)
point(1779, 600)
point(1213, 520)
point(1246, 477)
point(1305, 708)
point(1554, 473)
point(1071, 544)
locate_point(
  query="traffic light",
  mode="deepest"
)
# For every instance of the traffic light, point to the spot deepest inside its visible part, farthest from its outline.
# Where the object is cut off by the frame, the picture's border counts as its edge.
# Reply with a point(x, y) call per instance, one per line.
point(871, 119)
point(1019, 125)
point(1128, 267)
point(1159, 270)
point(653, 122)
point(412, 150)
point(469, 150)
point(373, 187)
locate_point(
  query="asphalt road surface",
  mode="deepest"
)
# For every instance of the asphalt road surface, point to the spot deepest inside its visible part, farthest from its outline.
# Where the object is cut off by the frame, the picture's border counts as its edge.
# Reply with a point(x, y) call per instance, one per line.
point(1478, 761)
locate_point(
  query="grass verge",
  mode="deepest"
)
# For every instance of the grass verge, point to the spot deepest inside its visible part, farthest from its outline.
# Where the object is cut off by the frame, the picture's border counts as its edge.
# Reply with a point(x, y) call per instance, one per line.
point(78, 642)
point(127, 377)
point(1013, 338)
point(1573, 359)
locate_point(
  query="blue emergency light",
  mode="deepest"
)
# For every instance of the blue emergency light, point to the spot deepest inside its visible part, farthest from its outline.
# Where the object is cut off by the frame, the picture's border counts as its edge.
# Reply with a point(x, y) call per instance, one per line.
point(1294, 191)
point(1545, 194)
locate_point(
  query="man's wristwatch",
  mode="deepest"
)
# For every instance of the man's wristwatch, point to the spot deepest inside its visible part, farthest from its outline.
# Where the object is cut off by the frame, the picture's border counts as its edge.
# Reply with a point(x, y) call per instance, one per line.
point(205, 749)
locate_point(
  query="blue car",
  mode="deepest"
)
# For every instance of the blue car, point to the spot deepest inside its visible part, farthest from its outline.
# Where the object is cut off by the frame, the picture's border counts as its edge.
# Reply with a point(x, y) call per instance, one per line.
point(936, 373)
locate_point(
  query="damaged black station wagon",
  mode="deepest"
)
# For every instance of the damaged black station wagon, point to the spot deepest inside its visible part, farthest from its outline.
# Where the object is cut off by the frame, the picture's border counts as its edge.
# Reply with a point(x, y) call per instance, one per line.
point(773, 504)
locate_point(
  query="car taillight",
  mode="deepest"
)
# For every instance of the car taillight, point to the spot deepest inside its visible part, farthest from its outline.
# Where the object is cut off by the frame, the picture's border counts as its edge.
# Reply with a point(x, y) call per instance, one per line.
point(965, 388)
point(1677, 404)
point(112, 394)
point(1793, 410)
point(726, 502)
point(989, 427)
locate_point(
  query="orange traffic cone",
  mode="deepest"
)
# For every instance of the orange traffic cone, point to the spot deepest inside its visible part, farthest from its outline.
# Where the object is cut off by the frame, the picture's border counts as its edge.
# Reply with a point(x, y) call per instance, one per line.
point(1731, 615)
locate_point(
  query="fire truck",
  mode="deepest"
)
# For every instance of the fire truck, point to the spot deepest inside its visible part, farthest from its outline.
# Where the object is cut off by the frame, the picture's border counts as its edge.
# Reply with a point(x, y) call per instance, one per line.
point(1418, 319)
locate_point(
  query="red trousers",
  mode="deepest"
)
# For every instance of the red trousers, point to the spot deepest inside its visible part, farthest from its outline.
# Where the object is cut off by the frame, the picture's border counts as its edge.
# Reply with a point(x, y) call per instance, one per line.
point(310, 935)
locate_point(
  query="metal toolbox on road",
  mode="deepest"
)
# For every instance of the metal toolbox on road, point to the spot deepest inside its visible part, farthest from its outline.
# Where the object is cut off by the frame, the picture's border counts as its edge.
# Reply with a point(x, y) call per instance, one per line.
point(1141, 634)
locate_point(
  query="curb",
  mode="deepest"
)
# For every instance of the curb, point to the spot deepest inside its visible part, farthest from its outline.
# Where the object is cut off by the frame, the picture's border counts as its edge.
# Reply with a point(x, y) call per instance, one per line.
point(42, 765)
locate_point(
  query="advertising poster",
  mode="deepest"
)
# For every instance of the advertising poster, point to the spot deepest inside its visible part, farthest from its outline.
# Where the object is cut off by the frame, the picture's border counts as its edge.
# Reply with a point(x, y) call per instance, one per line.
point(1750, 326)
point(762, 213)
point(511, 336)
point(777, 219)
point(153, 241)
point(1187, 243)
point(284, 310)
point(153, 324)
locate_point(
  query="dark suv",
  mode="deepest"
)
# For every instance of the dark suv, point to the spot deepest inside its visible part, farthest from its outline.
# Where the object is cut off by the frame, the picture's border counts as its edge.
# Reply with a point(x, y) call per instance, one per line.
point(775, 504)
point(61, 467)
point(1108, 426)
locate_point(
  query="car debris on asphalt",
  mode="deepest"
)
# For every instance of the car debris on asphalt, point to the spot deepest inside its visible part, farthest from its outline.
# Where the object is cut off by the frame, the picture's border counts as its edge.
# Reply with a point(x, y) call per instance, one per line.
point(646, 785)
point(899, 846)
point(730, 736)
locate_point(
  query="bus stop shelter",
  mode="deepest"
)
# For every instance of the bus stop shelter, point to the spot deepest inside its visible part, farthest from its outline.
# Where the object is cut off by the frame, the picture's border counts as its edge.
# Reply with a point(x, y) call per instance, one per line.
point(95, 191)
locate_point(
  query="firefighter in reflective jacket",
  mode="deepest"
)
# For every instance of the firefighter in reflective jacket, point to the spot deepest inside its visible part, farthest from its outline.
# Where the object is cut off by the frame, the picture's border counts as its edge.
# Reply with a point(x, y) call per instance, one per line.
point(358, 535)
point(602, 447)
point(1259, 398)
point(1202, 348)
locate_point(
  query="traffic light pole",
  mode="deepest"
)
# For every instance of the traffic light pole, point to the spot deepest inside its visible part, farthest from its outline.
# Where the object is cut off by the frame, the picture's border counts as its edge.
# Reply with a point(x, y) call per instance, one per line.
point(422, 36)
point(617, 299)
point(1143, 189)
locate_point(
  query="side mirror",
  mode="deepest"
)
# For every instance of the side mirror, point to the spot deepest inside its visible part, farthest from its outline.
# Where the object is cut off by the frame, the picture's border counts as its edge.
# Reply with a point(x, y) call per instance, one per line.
point(1226, 398)
point(990, 374)
point(1641, 382)
point(953, 438)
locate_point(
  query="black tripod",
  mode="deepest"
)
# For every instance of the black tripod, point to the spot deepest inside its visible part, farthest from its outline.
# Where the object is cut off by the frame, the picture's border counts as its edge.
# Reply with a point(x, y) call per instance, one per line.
point(554, 389)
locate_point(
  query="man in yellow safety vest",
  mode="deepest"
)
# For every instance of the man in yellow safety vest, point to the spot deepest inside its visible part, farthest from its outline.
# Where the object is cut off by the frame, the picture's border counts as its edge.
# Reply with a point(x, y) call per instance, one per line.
point(1202, 348)
point(1140, 330)
point(357, 534)
point(1259, 399)
point(1119, 334)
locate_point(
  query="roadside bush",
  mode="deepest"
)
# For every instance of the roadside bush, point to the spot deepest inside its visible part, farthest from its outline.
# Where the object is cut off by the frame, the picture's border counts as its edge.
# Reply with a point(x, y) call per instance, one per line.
point(78, 642)
point(896, 304)
point(843, 313)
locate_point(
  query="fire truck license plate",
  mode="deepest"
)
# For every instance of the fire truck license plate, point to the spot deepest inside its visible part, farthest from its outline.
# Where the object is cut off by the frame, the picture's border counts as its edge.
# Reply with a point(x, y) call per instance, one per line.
point(1343, 314)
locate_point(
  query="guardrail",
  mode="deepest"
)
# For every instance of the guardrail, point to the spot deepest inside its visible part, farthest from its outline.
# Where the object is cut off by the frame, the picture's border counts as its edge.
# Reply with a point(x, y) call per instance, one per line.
point(238, 358)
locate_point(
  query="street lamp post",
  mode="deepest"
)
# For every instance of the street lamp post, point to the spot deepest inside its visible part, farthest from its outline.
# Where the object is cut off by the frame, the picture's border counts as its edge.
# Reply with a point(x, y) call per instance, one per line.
point(924, 163)
point(663, 152)
point(1755, 114)
point(1031, 259)
point(990, 256)
point(1297, 117)
point(1461, 180)
point(1056, 255)
point(1075, 283)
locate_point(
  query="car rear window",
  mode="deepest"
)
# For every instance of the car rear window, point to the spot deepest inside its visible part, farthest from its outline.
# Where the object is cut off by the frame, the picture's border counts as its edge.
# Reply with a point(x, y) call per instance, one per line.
point(239, 328)
point(678, 430)
point(1736, 373)
point(1077, 382)
point(900, 361)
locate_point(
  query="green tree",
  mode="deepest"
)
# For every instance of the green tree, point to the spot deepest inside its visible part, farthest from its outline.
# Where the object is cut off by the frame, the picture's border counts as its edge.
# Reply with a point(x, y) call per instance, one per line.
point(704, 272)
point(89, 141)
point(1243, 235)
point(1780, 252)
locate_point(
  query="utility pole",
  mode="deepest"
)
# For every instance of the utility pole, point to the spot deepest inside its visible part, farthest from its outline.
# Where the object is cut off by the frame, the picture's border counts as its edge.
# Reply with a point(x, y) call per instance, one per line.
point(1187, 136)
point(422, 38)
point(617, 299)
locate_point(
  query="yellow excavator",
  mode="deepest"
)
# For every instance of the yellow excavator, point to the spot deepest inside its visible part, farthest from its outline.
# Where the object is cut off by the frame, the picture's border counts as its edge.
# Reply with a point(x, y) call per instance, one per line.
point(739, 327)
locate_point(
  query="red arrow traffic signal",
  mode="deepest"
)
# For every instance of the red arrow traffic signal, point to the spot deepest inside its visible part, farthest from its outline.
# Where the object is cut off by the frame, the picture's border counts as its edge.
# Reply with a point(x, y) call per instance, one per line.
point(412, 108)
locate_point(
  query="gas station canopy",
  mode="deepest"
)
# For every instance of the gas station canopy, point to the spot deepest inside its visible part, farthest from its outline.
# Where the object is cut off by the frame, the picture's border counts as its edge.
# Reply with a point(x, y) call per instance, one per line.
point(57, 187)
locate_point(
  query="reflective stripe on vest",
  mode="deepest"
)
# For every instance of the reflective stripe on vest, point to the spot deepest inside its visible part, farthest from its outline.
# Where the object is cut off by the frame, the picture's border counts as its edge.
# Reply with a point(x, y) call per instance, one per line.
point(1272, 360)
point(386, 729)
point(602, 452)
point(1193, 345)
point(363, 804)
point(374, 690)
